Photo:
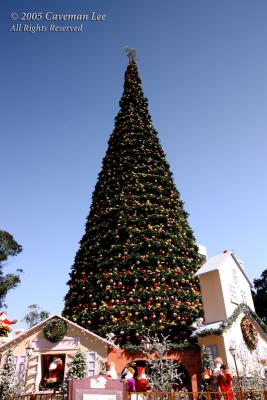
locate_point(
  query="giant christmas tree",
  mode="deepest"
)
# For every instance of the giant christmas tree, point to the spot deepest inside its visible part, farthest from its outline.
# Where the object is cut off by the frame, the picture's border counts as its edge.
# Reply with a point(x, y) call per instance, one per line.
point(134, 270)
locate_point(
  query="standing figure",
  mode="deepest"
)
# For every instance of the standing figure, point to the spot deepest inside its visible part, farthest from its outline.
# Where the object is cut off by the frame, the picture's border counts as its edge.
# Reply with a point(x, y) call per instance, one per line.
point(110, 370)
point(129, 378)
point(141, 380)
point(5, 324)
point(220, 379)
point(56, 373)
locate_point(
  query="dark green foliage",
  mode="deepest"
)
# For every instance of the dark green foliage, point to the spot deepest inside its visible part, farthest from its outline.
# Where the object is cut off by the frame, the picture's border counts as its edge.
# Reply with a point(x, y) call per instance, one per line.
point(260, 296)
point(8, 248)
point(134, 270)
point(55, 329)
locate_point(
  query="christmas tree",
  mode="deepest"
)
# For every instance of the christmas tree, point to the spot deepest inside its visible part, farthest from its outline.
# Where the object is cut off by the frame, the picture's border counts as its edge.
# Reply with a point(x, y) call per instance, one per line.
point(206, 364)
point(78, 367)
point(206, 359)
point(7, 375)
point(134, 270)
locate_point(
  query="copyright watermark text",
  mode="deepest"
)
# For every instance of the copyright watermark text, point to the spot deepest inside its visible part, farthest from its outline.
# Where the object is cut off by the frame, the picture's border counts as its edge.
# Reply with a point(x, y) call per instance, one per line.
point(52, 22)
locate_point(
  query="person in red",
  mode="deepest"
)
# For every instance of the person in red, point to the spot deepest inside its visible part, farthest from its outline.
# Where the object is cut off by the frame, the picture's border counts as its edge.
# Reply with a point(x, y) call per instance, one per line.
point(220, 379)
point(141, 380)
point(5, 324)
point(56, 373)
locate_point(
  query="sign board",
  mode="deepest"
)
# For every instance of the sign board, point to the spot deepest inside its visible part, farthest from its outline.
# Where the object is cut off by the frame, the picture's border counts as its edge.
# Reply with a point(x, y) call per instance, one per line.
point(99, 397)
point(98, 383)
point(97, 387)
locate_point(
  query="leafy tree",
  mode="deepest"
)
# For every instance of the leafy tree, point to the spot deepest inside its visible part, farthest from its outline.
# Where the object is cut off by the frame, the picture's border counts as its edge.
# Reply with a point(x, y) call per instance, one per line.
point(134, 270)
point(7, 375)
point(163, 375)
point(35, 315)
point(260, 296)
point(250, 372)
point(8, 248)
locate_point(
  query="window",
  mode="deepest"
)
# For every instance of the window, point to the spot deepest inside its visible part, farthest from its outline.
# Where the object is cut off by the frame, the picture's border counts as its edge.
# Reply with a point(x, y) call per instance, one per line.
point(243, 296)
point(257, 352)
point(232, 290)
point(264, 352)
point(213, 350)
point(234, 275)
point(232, 344)
point(244, 351)
point(20, 366)
point(91, 363)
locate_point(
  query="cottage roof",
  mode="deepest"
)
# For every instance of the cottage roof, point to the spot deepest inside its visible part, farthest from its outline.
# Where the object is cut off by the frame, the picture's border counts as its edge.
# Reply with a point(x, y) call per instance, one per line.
point(41, 324)
point(220, 262)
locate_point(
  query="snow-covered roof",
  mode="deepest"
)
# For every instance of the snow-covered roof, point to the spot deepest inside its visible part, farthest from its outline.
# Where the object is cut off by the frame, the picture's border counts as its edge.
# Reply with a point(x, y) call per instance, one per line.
point(213, 325)
point(219, 262)
point(202, 250)
point(41, 324)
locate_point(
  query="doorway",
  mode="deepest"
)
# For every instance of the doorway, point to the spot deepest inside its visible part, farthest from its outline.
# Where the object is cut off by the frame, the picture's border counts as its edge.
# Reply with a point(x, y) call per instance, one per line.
point(53, 369)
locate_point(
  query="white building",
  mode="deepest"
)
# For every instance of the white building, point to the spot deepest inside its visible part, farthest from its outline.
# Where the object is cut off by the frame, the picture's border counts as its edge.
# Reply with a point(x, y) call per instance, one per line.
point(227, 299)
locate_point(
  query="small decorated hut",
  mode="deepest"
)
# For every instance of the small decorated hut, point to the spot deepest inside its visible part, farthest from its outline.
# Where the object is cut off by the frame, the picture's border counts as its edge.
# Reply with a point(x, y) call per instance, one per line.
point(51, 346)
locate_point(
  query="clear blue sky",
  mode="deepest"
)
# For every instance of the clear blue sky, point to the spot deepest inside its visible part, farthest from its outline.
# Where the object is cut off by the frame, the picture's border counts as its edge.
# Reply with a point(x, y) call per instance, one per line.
point(203, 65)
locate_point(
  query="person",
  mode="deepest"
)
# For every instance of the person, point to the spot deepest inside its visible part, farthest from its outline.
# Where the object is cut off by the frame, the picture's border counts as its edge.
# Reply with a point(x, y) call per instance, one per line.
point(110, 370)
point(5, 324)
point(141, 380)
point(129, 378)
point(220, 379)
point(56, 373)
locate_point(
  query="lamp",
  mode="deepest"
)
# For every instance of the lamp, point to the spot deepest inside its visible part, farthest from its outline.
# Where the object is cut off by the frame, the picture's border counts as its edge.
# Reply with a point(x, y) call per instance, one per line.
point(29, 348)
point(233, 352)
point(147, 345)
point(235, 356)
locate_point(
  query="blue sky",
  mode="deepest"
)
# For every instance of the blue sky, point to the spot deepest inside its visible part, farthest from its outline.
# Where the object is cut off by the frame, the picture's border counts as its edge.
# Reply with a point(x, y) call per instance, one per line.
point(203, 66)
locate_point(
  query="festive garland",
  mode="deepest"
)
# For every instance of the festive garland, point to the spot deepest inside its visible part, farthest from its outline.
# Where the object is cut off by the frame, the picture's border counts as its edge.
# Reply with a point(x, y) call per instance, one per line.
point(206, 332)
point(55, 330)
point(249, 333)
point(229, 321)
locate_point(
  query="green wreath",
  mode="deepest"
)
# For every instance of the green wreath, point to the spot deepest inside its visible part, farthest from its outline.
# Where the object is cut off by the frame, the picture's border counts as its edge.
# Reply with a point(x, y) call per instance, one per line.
point(55, 330)
point(249, 333)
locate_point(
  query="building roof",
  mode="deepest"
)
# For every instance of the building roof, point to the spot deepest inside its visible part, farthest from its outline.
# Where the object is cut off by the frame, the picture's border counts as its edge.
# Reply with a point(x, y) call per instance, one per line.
point(213, 325)
point(219, 262)
point(41, 324)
